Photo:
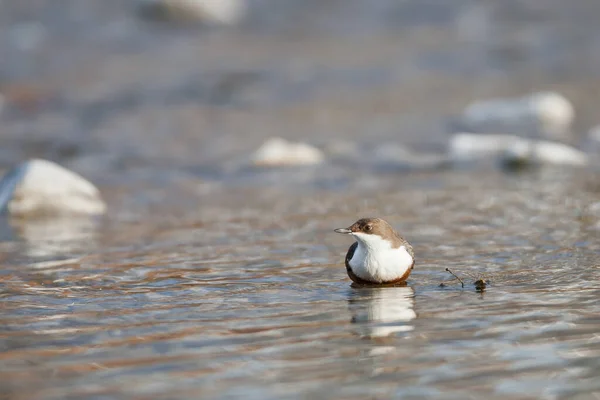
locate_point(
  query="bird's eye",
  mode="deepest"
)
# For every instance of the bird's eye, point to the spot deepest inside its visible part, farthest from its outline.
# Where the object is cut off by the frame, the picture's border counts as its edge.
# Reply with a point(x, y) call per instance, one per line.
point(368, 228)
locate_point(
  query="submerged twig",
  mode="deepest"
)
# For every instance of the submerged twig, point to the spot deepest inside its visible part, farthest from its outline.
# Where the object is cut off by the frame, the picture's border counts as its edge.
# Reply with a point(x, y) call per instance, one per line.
point(480, 281)
point(456, 276)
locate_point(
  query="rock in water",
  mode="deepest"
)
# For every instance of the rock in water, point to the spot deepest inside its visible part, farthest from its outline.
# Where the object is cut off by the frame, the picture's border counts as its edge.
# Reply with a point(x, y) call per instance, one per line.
point(464, 147)
point(512, 150)
point(213, 12)
point(544, 153)
point(280, 152)
point(546, 115)
point(43, 188)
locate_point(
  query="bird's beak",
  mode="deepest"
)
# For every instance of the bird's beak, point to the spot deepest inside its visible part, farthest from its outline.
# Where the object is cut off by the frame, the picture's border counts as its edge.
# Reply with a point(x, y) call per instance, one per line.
point(343, 230)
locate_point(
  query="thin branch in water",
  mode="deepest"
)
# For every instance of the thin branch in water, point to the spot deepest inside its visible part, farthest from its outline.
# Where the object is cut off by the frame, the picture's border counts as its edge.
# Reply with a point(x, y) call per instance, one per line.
point(456, 276)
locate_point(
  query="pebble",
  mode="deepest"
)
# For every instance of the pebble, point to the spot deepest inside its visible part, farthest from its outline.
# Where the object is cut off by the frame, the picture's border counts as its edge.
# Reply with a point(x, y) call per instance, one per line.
point(38, 188)
point(212, 12)
point(464, 147)
point(280, 152)
point(542, 115)
point(511, 149)
point(544, 152)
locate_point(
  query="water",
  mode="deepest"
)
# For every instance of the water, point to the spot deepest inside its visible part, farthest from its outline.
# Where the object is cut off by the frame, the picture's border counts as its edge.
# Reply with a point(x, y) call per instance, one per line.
point(210, 279)
point(254, 302)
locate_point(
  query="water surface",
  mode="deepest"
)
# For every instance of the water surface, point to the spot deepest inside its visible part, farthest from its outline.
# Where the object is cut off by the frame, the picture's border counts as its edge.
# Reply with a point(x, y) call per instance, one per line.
point(229, 301)
point(212, 279)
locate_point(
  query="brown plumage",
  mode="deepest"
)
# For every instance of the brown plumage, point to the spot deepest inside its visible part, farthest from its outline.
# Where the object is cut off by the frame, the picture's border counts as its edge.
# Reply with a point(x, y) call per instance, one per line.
point(376, 226)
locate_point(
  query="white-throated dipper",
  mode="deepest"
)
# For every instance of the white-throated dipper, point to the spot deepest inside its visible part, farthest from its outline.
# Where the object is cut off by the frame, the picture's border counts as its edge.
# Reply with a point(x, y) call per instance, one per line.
point(379, 255)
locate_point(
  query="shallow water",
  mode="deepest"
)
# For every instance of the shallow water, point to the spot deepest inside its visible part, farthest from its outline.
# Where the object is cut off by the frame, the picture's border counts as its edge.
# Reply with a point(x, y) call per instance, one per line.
point(210, 279)
point(254, 302)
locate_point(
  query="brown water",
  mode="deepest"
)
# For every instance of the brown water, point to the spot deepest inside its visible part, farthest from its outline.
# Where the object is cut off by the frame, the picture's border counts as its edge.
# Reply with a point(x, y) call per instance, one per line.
point(209, 279)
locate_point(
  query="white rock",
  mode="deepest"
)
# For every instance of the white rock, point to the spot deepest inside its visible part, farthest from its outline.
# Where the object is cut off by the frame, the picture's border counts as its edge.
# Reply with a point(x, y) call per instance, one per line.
point(219, 12)
point(542, 115)
point(544, 152)
point(279, 152)
point(464, 147)
point(555, 114)
point(476, 146)
point(43, 188)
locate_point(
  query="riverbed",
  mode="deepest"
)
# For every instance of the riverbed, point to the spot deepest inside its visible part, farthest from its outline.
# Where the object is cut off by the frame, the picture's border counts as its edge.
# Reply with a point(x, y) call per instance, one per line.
point(212, 278)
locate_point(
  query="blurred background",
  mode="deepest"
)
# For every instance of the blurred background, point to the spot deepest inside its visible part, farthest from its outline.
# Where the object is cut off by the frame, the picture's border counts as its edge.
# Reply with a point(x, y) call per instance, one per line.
point(230, 137)
point(113, 86)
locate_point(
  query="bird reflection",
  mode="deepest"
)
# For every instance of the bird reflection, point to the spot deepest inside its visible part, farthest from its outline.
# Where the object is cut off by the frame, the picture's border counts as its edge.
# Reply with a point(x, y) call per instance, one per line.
point(382, 311)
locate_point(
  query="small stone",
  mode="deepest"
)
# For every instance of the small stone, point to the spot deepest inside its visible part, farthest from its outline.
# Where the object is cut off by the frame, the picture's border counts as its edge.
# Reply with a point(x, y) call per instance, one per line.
point(212, 12)
point(547, 115)
point(38, 188)
point(512, 150)
point(280, 152)
point(543, 152)
point(464, 147)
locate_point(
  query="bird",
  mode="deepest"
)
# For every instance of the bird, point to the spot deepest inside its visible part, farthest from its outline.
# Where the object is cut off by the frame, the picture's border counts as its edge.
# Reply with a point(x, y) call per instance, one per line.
point(380, 256)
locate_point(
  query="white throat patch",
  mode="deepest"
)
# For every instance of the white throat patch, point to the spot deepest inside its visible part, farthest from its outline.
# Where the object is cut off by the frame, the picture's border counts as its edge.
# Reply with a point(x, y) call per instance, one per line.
point(375, 260)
